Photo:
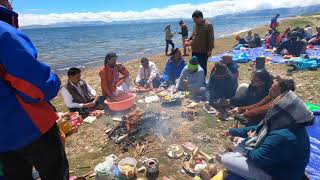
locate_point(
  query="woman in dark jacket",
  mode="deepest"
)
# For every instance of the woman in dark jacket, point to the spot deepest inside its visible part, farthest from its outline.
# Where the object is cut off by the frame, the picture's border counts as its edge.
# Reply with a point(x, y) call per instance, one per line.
point(261, 82)
point(223, 84)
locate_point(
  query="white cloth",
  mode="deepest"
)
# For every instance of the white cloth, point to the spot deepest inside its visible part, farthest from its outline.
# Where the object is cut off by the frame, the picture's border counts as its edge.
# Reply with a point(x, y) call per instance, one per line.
point(240, 165)
point(124, 88)
point(148, 74)
point(67, 97)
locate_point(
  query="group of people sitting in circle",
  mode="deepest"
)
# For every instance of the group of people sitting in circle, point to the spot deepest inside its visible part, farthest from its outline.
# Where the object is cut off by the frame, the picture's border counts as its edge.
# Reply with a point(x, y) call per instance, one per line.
point(294, 41)
point(273, 144)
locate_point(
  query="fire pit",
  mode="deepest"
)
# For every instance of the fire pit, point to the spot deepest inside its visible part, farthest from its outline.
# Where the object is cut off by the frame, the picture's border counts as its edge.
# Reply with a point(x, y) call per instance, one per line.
point(138, 126)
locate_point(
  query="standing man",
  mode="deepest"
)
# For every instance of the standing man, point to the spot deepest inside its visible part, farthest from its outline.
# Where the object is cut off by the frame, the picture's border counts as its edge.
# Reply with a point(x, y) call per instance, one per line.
point(274, 22)
point(202, 39)
point(184, 33)
point(29, 136)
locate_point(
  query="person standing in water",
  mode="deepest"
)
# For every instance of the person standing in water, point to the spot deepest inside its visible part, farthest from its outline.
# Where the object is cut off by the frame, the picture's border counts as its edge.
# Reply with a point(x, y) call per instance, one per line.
point(184, 32)
point(169, 36)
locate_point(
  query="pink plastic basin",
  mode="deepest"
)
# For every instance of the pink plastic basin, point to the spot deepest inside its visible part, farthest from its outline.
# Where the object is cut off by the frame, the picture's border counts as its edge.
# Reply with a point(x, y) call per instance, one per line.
point(121, 103)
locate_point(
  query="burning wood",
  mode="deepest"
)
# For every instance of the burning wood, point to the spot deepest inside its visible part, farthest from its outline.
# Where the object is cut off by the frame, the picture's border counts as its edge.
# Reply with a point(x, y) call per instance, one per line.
point(137, 126)
point(131, 120)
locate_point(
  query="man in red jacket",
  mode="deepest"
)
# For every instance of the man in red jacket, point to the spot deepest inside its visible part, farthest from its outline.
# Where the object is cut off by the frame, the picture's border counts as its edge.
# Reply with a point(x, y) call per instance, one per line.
point(29, 136)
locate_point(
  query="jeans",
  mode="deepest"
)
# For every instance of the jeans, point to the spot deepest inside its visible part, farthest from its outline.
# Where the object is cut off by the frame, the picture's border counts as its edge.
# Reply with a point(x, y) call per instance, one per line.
point(167, 45)
point(203, 61)
point(240, 165)
point(47, 155)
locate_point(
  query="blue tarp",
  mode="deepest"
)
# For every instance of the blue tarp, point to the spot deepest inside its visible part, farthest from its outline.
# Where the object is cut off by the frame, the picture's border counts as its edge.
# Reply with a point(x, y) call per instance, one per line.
point(253, 53)
point(313, 168)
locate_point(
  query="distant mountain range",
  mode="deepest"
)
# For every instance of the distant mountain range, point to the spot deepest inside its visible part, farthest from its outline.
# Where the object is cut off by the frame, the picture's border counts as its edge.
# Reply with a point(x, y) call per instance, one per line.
point(285, 12)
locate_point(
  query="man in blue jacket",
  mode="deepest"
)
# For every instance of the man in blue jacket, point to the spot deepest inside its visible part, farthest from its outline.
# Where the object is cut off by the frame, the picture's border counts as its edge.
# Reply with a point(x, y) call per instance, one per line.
point(29, 136)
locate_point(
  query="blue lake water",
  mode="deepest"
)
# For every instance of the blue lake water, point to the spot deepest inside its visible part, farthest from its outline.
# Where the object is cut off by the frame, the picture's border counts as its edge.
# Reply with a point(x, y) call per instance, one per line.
point(86, 46)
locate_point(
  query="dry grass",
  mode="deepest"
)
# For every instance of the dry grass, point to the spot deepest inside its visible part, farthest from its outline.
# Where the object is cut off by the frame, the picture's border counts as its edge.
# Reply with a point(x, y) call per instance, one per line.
point(89, 146)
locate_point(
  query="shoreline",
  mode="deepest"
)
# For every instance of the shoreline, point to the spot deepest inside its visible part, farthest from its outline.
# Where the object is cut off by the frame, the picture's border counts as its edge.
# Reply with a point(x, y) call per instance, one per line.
point(223, 44)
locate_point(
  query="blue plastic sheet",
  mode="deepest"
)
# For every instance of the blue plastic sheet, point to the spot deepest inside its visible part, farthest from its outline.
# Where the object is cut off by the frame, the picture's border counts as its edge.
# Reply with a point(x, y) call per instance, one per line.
point(313, 168)
point(253, 53)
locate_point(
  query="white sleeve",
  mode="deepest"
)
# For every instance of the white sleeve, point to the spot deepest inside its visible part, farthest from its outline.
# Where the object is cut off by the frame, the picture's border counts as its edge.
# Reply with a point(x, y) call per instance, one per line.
point(91, 90)
point(153, 73)
point(68, 100)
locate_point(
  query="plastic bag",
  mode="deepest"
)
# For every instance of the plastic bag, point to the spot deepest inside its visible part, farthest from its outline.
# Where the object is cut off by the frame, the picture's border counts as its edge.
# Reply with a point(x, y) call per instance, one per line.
point(105, 169)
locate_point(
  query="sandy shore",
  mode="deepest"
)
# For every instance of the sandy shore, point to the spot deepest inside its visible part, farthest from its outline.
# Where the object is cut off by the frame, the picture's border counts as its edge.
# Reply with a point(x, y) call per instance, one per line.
point(221, 45)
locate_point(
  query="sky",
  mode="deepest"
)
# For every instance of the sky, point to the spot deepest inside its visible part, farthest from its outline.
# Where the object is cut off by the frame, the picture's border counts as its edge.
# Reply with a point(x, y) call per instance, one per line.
point(45, 12)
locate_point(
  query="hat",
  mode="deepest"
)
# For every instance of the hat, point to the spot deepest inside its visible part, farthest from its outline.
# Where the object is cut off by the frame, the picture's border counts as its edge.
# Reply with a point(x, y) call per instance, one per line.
point(194, 60)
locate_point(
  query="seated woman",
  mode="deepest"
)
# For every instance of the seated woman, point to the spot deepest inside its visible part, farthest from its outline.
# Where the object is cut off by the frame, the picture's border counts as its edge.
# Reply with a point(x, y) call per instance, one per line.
point(249, 36)
point(173, 69)
point(232, 66)
point(222, 83)
point(294, 46)
point(277, 148)
point(253, 114)
point(261, 82)
point(274, 40)
point(112, 85)
point(192, 78)
point(148, 76)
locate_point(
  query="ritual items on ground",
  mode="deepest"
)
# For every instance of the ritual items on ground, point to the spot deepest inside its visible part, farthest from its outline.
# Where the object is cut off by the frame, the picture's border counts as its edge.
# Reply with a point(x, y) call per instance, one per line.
point(175, 151)
point(190, 114)
point(204, 138)
point(128, 167)
point(138, 129)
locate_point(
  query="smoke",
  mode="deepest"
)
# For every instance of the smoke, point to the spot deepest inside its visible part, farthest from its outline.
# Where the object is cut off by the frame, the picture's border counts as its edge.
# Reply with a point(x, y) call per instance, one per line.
point(210, 9)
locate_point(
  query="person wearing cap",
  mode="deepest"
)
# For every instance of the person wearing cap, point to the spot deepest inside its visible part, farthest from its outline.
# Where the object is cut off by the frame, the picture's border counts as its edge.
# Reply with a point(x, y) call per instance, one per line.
point(294, 46)
point(148, 75)
point(192, 78)
point(315, 40)
point(184, 33)
point(232, 66)
point(173, 69)
point(29, 135)
point(201, 40)
point(112, 83)
point(168, 37)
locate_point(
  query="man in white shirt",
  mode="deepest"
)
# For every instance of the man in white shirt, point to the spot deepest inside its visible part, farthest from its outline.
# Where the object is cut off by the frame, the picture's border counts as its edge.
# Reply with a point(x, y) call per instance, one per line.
point(78, 95)
point(148, 75)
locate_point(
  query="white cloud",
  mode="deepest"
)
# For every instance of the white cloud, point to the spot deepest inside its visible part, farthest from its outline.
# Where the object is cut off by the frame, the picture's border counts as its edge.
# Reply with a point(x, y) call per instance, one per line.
point(175, 11)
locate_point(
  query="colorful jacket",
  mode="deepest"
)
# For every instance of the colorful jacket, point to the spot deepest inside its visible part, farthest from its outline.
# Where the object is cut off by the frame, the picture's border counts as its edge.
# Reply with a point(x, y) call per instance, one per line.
point(173, 70)
point(26, 87)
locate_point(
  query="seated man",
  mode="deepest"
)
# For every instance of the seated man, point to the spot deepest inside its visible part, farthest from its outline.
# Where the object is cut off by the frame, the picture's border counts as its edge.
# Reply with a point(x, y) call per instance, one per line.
point(277, 148)
point(112, 85)
point(148, 75)
point(173, 68)
point(294, 46)
point(192, 78)
point(232, 66)
point(78, 95)
point(315, 40)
